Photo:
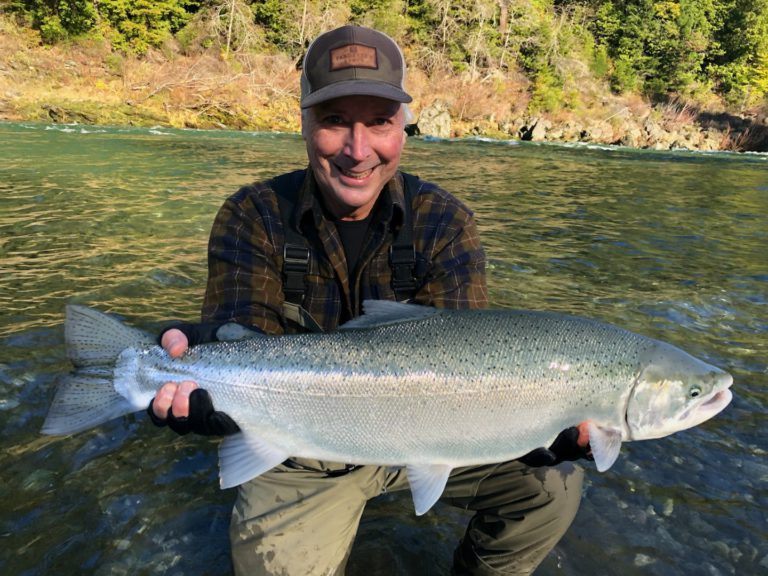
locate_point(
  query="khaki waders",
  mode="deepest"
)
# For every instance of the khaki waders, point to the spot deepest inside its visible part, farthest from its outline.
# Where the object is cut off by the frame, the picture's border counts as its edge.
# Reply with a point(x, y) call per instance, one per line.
point(300, 520)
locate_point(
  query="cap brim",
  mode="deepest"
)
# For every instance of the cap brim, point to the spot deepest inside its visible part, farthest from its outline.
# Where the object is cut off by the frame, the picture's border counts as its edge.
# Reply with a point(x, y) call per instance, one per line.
point(356, 88)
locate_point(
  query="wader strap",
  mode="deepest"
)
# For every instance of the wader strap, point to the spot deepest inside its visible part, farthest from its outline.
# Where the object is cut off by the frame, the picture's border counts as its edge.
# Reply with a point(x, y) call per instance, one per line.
point(295, 266)
point(295, 252)
point(301, 316)
point(402, 253)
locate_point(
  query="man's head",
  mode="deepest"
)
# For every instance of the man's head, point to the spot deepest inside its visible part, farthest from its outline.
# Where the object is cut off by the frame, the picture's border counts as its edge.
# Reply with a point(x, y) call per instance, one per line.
point(353, 116)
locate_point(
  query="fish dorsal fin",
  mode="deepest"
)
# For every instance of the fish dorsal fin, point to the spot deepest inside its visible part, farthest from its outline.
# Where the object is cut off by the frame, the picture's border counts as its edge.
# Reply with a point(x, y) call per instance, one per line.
point(605, 444)
point(243, 457)
point(427, 484)
point(385, 312)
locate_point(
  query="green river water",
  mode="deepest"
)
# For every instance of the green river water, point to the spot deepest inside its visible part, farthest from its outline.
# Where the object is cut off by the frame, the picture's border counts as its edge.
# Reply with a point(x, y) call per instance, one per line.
point(673, 245)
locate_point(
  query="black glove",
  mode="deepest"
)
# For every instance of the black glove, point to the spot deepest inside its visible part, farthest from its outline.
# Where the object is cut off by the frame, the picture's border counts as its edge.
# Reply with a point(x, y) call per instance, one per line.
point(202, 419)
point(565, 447)
point(205, 332)
point(196, 333)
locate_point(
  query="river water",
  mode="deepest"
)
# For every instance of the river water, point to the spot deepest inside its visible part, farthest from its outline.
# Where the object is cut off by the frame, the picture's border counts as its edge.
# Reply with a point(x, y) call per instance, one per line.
point(670, 244)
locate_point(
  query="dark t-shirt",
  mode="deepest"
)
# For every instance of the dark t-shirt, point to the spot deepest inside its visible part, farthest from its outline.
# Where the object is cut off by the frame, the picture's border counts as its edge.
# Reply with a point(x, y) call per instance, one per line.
point(353, 233)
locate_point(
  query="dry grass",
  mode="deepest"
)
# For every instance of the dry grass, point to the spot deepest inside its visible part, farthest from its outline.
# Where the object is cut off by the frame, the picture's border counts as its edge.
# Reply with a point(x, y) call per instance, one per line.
point(493, 99)
point(677, 113)
point(88, 82)
point(754, 138)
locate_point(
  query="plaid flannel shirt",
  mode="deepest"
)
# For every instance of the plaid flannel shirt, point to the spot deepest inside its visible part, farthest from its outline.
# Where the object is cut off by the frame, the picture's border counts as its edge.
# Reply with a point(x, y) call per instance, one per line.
point(245, 256)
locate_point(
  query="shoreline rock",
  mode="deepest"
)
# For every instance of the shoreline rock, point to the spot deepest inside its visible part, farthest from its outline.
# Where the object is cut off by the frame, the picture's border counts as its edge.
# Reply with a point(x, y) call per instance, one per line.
point(733, 133)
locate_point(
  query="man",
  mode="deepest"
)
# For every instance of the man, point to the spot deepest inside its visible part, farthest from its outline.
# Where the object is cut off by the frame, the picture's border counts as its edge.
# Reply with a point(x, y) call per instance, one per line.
point(350, 206)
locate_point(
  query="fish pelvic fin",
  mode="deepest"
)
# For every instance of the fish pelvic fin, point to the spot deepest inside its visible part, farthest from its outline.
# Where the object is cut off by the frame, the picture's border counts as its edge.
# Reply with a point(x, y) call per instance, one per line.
point(88, 397)
point(242, 457)
point(427, 484)
point(605, 444)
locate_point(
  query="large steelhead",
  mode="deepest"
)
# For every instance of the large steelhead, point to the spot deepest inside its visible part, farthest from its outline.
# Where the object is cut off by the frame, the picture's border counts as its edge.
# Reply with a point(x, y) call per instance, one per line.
point(402, 385)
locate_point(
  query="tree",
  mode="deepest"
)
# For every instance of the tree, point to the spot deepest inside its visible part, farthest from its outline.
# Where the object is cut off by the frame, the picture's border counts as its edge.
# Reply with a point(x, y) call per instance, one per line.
point(57, 20)
point(738, 62)
point(140, 24)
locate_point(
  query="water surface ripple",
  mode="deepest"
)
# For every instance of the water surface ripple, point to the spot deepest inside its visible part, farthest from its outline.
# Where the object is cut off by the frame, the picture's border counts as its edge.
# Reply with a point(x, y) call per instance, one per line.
point(672, 245)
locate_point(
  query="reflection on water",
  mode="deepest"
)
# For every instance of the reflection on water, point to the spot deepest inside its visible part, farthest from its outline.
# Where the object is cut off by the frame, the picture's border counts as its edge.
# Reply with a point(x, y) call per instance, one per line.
point(671, 245)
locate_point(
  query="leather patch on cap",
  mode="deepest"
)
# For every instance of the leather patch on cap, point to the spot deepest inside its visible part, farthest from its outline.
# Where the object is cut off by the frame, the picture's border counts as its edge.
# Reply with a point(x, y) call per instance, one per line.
point(353, 55)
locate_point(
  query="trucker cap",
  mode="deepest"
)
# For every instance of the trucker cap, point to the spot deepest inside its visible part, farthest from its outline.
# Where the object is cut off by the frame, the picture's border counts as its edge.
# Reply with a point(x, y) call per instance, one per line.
point(352, 61)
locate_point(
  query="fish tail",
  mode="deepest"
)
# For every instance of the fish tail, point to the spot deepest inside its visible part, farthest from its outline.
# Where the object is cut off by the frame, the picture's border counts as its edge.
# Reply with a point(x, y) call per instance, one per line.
point(88, 397)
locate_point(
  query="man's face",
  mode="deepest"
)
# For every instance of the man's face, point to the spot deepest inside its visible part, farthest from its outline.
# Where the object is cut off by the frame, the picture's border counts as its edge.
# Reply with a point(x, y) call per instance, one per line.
point(354, 145)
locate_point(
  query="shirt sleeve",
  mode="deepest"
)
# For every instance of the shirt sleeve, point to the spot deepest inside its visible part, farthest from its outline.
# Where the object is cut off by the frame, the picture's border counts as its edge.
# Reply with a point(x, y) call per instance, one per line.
point(456, 263)
point(244, 282)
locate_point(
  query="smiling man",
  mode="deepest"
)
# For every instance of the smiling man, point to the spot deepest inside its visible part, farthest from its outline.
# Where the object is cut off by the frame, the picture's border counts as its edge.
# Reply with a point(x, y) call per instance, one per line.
point(301, 252)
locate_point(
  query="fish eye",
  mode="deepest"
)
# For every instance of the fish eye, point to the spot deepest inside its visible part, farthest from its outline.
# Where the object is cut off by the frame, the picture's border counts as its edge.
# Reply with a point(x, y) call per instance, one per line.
point(695, 392)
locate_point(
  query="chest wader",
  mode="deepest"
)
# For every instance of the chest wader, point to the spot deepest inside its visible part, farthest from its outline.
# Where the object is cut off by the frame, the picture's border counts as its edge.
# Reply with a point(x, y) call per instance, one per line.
point(402, 253)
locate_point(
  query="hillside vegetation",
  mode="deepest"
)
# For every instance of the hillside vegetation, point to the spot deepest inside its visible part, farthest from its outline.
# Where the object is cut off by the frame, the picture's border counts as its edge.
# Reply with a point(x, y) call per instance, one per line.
point(664, 74)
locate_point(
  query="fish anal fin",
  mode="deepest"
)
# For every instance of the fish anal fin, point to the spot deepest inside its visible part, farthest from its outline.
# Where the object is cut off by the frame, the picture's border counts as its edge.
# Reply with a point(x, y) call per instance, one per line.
point(605, 444)
point(243, 457)
point(427, 484)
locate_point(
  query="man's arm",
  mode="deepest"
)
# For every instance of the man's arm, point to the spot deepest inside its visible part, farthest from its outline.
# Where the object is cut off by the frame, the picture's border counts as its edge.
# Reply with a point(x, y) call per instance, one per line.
point(244, 286)
point(244, 281)
point(446, 234)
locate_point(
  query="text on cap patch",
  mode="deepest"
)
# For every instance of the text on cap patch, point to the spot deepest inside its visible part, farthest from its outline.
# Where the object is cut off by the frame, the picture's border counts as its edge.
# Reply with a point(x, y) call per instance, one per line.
point(353, 55)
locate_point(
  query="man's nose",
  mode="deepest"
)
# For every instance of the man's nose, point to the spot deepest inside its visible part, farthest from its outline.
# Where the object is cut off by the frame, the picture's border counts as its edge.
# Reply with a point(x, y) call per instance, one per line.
point(358, 145)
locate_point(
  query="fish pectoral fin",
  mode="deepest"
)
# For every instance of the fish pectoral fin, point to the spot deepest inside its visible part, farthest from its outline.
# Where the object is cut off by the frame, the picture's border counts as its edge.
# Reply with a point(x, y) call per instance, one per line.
point(243, 457)
point(605, 444)
point(427, 484)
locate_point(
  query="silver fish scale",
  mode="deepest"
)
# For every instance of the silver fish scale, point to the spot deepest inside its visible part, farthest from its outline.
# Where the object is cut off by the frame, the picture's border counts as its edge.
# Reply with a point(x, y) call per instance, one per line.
point(458, 387)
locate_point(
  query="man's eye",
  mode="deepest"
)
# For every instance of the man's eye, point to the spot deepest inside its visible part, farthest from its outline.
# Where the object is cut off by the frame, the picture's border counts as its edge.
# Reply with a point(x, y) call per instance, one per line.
point(333, 119)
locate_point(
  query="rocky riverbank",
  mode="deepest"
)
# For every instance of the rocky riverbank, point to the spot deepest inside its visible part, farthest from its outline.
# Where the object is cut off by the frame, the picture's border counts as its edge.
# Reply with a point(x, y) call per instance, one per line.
point(652, 130)
point(667, 127)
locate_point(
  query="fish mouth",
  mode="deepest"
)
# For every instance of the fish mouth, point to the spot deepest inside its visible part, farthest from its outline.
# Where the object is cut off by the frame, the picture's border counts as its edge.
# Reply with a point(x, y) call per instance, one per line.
point(718, 401)
point(719, 398)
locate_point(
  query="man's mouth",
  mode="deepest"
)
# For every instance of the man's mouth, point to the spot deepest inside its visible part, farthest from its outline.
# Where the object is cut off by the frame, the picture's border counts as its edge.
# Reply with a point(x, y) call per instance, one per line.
point(356, 174)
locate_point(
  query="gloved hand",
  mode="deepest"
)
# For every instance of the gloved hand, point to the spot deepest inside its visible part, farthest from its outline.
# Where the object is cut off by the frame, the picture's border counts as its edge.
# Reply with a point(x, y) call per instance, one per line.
point(205, 332)
point(201, 333)
point(202, 419)
point(565, 447)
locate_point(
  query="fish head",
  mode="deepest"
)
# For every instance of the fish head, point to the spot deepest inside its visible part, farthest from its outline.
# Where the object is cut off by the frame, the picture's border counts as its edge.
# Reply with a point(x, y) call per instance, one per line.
point(674, 391)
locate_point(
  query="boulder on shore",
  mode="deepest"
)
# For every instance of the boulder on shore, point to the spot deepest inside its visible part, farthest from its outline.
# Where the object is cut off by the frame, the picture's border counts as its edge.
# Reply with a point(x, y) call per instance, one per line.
point(435, 120)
